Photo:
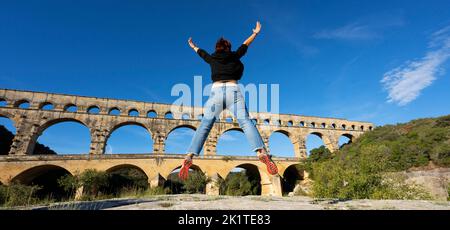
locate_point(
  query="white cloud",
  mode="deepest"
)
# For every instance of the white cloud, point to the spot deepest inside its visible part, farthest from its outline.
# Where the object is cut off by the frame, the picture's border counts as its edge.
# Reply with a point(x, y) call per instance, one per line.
point(366, 28)
point(229, 137)
point(354, 31)
point(109, 149)
point(182, 134)
point(137, 131)
point(405, 83)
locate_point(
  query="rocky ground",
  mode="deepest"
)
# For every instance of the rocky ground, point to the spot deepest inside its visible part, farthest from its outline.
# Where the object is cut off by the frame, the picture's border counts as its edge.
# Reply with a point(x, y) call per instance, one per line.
point(203, 202)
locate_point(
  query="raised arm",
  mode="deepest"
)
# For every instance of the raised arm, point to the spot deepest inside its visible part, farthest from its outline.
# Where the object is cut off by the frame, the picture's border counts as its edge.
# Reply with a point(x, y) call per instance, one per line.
point(253, 36)
point(202, 53)
point(192, 45)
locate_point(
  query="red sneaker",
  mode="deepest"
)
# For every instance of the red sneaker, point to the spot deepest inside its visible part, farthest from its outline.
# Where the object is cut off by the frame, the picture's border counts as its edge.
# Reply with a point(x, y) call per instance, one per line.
point(184, 171)
point(271, 167)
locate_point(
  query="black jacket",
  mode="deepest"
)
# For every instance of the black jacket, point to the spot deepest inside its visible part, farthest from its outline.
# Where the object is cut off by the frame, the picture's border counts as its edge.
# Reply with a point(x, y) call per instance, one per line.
point(225, 65)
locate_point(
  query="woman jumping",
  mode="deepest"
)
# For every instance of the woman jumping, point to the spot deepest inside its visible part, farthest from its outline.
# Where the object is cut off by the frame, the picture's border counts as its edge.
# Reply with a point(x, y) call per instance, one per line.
point(226, 70)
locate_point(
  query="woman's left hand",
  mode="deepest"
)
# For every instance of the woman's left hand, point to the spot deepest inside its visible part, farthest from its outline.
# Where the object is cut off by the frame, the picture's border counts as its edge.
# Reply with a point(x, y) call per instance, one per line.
point(191, 43)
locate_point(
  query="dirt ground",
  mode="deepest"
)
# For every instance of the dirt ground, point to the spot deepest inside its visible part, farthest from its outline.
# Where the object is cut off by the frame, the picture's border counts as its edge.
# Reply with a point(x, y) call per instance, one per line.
point(203, 202)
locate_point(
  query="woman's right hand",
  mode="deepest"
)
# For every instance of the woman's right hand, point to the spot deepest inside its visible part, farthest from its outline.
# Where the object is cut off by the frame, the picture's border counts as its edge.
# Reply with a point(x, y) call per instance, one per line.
point(257, 28)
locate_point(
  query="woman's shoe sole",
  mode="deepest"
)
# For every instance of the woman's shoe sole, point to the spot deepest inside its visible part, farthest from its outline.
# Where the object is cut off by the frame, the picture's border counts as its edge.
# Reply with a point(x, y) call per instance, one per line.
point(184, 171)
point(271, 167)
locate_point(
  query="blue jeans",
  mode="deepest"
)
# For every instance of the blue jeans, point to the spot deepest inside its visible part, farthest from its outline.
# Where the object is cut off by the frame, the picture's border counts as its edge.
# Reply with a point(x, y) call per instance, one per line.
point(225, 96)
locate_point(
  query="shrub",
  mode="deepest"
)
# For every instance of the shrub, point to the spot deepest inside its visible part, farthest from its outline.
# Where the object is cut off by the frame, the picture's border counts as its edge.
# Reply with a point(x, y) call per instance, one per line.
point(126, 179)
point(443, 121)
point(361, 177)
point(358, 170)
point(394, 187)
point(130, 192)
point(412, 144)
point(69, 183)
point(320, 154)
point(18, 195)
point(174, 184)
point(239, 184)
point(195, 183)
point(156, 191)
point(93, 182)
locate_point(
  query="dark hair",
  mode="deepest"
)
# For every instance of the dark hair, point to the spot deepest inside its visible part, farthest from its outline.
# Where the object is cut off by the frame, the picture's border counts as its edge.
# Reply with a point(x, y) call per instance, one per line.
point(223, 45)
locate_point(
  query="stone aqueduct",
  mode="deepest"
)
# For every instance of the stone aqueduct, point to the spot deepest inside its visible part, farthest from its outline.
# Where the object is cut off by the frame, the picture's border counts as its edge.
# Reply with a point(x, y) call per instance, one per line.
point(47, 109)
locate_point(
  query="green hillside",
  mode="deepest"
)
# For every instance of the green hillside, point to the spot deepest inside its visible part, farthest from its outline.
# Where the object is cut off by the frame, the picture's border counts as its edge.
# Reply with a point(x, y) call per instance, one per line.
point(360, 169)
point(403, 146)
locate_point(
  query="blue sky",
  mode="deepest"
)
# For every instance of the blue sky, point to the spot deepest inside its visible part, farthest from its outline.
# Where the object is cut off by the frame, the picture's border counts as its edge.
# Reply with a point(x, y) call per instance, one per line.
point(379, 61)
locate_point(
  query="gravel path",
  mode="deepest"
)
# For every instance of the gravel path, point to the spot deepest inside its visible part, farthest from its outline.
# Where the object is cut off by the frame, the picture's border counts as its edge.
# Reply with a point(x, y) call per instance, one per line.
point(203, 202)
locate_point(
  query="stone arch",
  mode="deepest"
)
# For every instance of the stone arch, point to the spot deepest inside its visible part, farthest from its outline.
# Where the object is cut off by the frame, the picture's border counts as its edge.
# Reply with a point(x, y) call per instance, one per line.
point(325, 140)
point(245, 147)
point(52, 122)
point(122, 176)
point(27, 175)
point(3, 102)
point(114, 111)
point(252, 172)
point(93, 109)
point(185, 116)
point(286, 134)
point(46, 105)
point(291, 176)
point(133, 112)
point(174, 183)
point(319, 134)
point(46, 176)
point(169, 115)
point(181, 143)
point(349, 136)
point(7, 134)
point(121, 166)
point(43, 127)
point(152, 113)
point(70, 108)
point(20, 102)
point(119, 125)
point(10, 117)
point(122, 124)
point(194, 167)
point(228, 119)
point(231, 129)
point(181, 126)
